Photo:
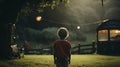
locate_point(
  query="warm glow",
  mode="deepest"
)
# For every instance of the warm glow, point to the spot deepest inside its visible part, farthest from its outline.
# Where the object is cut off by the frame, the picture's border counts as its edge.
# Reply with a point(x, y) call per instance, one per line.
point(103, 31)
point(38, 18)
point(115, 35)
point(103, 35)
point(117, 31)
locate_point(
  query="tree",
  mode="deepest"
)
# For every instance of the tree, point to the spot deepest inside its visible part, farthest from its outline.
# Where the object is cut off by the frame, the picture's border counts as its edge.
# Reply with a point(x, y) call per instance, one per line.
point(9, 10)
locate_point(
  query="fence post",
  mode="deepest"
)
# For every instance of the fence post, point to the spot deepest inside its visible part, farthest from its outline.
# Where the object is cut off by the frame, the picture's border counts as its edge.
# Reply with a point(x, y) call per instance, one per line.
point(78, 48)
point(51, 50)
point(94, 48)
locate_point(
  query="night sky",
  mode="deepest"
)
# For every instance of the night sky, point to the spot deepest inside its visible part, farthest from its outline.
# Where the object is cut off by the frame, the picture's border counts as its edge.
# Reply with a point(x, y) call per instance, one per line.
point(84, 13)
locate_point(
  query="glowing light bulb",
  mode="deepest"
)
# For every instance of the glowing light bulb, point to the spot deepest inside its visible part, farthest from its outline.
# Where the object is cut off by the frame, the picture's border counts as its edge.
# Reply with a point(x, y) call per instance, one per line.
point(78, 27)
point(38, 18)
point(117, 31)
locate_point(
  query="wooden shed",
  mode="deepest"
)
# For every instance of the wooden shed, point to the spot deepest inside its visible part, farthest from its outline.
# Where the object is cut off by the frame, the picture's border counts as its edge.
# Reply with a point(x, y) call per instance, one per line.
point(108, 37)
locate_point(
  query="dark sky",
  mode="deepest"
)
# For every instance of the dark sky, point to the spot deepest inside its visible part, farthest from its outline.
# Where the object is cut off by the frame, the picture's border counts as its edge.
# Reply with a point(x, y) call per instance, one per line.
point(84, 13)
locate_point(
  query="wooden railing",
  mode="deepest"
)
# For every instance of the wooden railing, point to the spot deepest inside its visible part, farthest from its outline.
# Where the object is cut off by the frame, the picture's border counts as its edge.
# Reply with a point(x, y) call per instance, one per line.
point(79, 49)
point(84, 49)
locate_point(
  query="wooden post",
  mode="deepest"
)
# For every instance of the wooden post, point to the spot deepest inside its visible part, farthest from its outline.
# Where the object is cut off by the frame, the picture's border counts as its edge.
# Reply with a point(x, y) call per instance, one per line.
point(51, 50)
point(78, 48)
point(93, 46)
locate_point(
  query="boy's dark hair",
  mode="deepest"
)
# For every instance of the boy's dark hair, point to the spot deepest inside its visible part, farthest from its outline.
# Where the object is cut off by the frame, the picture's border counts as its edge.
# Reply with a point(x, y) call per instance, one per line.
point(63, 33)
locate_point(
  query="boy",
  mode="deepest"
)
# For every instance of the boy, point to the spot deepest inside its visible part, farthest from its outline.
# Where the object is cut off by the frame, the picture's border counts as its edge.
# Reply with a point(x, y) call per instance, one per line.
point(62, 47)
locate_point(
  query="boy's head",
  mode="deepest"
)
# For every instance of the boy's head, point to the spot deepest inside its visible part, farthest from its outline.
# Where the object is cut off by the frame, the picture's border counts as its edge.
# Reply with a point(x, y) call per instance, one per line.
point(62, 33)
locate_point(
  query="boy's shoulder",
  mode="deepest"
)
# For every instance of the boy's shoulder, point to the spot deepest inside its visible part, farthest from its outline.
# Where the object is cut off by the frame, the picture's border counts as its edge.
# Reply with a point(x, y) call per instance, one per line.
point(61, 41)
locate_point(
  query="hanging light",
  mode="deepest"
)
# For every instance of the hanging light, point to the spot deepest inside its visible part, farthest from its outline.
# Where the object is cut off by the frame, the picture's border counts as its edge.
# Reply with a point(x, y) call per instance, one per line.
point(38, 18)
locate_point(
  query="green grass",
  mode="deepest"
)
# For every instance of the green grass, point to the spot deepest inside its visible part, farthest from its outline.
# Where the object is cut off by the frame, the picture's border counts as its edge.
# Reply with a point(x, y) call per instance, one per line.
point(76, 61)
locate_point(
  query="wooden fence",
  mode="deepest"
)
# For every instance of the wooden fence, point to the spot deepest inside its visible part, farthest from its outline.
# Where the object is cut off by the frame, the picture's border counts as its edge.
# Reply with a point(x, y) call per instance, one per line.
point(84, 49)
point(39, 51)
point(79, 49)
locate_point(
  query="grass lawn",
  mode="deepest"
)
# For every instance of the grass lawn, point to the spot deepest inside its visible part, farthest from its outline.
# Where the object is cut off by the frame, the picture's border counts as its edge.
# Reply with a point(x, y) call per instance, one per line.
point(76, 61)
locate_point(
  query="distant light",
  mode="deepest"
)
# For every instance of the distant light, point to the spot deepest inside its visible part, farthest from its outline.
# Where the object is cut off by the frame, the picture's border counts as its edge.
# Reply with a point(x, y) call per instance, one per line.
point(78, 27)
point(14, 37)
point(14, 25)
point(117, 31)
point(105, 20)
point(38, 18)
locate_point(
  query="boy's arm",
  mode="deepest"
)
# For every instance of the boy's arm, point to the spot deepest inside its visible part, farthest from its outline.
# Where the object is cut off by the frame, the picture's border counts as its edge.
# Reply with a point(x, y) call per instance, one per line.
point(69, 53)
point(55, 58)
point(69, 57)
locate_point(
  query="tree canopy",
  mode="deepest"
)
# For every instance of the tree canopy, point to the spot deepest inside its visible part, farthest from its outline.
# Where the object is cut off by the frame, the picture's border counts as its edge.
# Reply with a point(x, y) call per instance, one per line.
point(39, 5)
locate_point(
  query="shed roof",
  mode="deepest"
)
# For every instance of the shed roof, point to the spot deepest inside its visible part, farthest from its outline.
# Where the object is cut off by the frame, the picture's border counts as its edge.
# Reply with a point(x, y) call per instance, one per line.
point(110, 24)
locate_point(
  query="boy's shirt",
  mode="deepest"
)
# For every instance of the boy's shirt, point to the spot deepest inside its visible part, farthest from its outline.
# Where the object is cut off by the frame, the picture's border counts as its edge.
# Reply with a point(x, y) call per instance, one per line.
point(62, 49)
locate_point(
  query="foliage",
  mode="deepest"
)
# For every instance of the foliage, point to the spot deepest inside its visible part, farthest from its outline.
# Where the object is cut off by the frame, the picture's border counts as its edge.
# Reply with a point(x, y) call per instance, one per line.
point(45, 36)
point(48, 35)
point(39, 5)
